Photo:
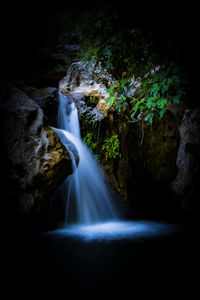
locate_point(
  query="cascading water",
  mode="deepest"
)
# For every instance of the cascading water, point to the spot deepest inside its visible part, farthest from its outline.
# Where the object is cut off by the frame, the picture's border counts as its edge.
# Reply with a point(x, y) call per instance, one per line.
point(90, 212)
point(88, 198)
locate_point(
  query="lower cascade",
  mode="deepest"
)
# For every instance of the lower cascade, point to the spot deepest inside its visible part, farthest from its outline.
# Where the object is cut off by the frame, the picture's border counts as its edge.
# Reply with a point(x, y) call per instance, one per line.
point(86, 191)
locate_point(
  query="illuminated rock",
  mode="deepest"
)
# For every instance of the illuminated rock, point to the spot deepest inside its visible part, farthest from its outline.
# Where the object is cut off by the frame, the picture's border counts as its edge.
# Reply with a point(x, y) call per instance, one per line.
point(86, 81)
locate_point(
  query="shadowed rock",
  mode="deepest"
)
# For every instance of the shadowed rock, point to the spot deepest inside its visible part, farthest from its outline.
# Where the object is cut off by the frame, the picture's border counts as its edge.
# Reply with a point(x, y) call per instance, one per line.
point(38, 160)
point(187, 182)
point(47, 99)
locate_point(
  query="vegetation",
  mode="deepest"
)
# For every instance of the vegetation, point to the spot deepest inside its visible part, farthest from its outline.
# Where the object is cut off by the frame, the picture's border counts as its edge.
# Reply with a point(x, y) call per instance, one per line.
point(116, 39)
point(117, 94)
point(92, 101)
point(89, 141)
point(111, 147)
point(155, 92)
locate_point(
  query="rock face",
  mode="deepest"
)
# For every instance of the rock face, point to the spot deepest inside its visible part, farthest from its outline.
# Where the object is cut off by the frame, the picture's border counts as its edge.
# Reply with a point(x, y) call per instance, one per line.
point(86, 81)
point(187, 182)
point(147, 165)
point(156, 147)
point(92, 114)
point(47, 99)
point(38, 162)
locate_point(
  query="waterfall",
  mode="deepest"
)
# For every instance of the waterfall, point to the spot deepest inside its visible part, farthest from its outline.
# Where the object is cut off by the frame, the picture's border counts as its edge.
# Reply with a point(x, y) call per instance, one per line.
point(86, 191)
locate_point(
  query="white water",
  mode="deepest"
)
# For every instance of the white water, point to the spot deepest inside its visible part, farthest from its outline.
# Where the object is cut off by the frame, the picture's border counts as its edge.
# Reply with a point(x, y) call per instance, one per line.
point(87, 196)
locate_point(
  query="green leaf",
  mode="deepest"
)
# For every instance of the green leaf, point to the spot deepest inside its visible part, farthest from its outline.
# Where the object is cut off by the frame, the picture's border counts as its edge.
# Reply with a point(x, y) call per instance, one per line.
point(109, 91)
point(150, 99)
point(154, 89)
point(125, 88)
point(133, 113)
point(142, 107)
point(122, 97)
point(161, 113)
point(123, 81)
point(149, 105)
point(162, 103)
point(118, 107)
point(111, 100)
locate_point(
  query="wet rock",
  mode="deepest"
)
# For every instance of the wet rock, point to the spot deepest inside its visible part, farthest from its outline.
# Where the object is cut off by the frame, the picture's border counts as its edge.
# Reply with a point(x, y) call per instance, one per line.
point(37, 160)
point(86, 81)
point(92, 114)
point(187, 182)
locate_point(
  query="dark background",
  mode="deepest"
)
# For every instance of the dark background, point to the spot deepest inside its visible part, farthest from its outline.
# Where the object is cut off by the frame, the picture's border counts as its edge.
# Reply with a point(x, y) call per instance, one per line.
point(20, 34)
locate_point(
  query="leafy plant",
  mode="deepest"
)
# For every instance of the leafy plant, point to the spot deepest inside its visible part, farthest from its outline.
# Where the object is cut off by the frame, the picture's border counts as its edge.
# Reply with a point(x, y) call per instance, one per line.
point(126, 49)
point(117, 94)
point(89, 141)
point(155, 92)
point(111, 147)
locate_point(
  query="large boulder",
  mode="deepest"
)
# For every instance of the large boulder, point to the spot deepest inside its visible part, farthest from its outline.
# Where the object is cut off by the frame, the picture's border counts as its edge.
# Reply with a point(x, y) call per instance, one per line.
point(37, 161)
point(187, 182)
point(47, 99)
point(89, 82)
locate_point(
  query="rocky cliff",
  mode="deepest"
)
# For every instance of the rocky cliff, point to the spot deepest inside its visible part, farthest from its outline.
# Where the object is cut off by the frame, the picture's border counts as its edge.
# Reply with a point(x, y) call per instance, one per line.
point(187, 182)
point(36, 162)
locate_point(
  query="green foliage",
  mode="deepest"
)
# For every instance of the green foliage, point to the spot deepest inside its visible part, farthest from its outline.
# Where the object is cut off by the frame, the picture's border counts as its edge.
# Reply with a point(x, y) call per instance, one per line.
point(104, 81)
point(89, 141)
point(115, 38)
point(92, 101)
point(117, 94)
point(111, 147)
point(152, 98)
point(104, 38)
